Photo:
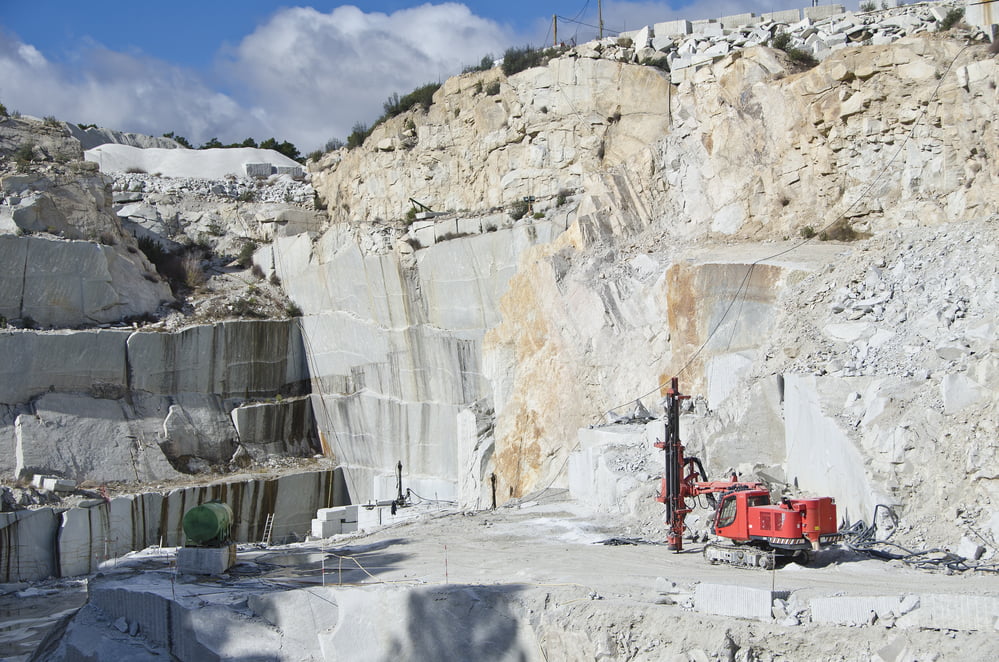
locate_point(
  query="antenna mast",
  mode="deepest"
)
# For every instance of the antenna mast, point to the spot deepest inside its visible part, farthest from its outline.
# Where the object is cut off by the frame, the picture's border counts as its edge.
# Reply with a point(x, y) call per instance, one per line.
point(600, 15)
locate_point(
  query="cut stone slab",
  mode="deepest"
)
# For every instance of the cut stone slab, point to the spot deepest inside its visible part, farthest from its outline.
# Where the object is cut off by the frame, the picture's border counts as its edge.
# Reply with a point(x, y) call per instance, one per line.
point(970, 549)
point(83, 361)
point(672, 28)
point(852, 610)
point(33, 531)
point(954, 612)
point(737, 601)
point(85, 438)
point(232, 359)
point(206, 560)
point(286, 427)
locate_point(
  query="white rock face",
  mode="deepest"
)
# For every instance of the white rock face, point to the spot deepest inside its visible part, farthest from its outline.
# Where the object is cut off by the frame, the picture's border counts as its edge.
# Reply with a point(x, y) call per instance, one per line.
point(199, 163)
point(394, 354)
point(93, 274)
point(111, 405)
point(282, 428)
point(545, 129)
point(85, 438)
point(82, 361)
point(235, 359)
point(27, 539)
point(66, 283)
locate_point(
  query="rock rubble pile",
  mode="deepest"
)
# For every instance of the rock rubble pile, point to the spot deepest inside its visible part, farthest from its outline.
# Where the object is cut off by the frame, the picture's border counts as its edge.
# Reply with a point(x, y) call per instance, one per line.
point(681, 45)
point(131, 187)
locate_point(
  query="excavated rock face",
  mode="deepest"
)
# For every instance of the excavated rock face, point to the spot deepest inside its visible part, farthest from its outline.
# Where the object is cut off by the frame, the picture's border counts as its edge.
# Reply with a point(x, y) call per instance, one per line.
point(541, 131)
point(754, 154)
point(742, 147)
point(65, 259)
point(39, 140)
point(871, 140)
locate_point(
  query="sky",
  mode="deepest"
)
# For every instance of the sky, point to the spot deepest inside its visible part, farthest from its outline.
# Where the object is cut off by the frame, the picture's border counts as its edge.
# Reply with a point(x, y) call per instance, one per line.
point(304, 73)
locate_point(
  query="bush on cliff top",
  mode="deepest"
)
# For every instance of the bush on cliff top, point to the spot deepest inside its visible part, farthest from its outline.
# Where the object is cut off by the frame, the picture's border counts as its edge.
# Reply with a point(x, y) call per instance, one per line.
point(516, 60)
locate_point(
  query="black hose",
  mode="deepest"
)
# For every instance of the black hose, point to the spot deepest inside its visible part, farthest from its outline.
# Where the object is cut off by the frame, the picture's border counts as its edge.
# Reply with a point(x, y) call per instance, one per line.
point(861, 538)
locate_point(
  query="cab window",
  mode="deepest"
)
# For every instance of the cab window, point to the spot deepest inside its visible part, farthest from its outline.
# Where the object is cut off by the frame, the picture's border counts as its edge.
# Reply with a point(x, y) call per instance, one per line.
point(762, 500)
point(726, 515)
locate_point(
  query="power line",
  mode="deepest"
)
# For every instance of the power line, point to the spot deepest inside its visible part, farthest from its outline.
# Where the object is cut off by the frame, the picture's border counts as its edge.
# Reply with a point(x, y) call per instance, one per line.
point(587, 25)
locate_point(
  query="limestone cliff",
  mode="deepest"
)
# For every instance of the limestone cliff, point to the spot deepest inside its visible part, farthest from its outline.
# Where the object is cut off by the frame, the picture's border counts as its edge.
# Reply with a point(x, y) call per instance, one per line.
point(742, 147)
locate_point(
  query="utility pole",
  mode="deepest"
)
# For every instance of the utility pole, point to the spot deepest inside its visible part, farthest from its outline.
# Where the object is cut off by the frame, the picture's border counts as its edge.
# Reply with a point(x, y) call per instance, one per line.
point(555, 29)
point(600, 15)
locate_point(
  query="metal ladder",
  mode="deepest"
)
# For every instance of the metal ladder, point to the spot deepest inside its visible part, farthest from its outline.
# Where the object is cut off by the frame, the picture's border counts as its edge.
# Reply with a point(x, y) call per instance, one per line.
point(268, 529)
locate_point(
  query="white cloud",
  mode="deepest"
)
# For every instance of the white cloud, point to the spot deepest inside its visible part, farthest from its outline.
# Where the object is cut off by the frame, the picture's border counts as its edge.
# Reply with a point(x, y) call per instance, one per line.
point(120, 91)
point(319, 73)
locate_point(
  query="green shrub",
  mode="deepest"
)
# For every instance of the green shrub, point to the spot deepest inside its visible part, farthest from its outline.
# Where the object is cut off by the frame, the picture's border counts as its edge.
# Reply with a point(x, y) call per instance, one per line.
point(516, 60)
point(538, 215)
point(562, 196)
point(292, 309)
point(493, 88)
point(194, 275)
point(519, 209)
point(807, 232)
point(24, 155)
point(951, 18)
point(485, 64)
point(3, 110)
point(411, 215)
point(781, 40)
point(180, 140)
point(283, 147)
point(841, 230)
point(248, 195)
point(867, 6)
point(422, 96)
point(801, 57)
point(51, 121)
point(318, 202)
point(245, 258)
point(153, 250)
point(246, 307)
point(358, 134)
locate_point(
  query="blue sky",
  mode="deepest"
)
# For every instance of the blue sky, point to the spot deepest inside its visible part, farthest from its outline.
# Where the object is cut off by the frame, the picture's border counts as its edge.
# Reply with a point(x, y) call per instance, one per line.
point(254, 68)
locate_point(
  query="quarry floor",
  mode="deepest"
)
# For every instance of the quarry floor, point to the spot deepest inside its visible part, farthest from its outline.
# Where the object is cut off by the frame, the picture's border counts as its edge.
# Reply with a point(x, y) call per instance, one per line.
point(549, 551)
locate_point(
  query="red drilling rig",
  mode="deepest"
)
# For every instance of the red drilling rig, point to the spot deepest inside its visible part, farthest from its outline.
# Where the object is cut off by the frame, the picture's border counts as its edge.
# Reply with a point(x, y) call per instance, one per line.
point(761, 533)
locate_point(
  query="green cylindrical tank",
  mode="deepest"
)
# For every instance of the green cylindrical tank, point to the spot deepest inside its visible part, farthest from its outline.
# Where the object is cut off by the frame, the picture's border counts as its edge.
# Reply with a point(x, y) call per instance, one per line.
point(208, 524)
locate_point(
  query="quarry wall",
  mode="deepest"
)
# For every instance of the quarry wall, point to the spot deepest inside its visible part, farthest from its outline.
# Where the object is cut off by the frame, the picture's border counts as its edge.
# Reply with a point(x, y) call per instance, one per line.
point(662, 238)
point(882, 140)
point(112, 405)
point(48, 542)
